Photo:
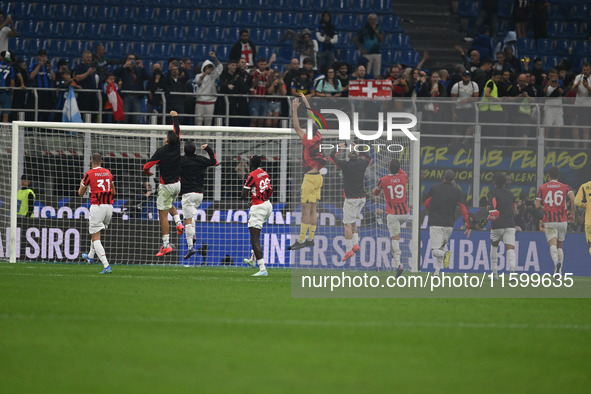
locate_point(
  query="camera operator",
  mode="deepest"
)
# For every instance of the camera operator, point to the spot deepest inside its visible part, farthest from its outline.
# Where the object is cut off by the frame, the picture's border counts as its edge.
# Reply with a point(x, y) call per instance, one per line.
point(133, 75)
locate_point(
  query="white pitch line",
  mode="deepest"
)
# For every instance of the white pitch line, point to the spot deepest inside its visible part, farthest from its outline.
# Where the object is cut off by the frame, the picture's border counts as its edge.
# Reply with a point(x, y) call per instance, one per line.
point(292, 322)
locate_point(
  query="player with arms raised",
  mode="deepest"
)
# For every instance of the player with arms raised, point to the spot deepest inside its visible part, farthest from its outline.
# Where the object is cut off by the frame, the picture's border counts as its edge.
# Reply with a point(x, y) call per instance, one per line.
point(552, 195)
point(258, 185)
point(502, 215)
point(193, 169)
point(100, 182)
point(168, 158)
point(313, 161)
point(395, 186)
point(441, 202)
point(583, 200)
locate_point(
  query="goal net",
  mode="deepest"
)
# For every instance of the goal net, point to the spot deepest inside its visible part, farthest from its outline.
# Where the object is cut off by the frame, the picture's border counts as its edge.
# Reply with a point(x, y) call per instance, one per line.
point(51, 158)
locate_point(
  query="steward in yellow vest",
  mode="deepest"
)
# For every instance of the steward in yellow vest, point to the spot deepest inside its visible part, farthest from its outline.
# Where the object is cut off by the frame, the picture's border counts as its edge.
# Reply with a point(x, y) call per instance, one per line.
point(25, 198)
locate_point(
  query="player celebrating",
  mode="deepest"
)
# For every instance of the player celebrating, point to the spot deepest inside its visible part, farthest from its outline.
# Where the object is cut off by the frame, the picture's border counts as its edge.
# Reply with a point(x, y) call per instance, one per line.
point(354, 192)
point(168, 158)
point(441, 203)
point(313, 161)
point(552, 195)
point(100, 181)
point(582, 200)
point(502, 215)
point(258, 185)
point(193, 169)
point(394, 185)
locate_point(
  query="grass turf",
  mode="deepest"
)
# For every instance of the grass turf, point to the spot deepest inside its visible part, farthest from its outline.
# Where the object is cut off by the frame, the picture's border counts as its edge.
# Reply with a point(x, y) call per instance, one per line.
point(66, 329)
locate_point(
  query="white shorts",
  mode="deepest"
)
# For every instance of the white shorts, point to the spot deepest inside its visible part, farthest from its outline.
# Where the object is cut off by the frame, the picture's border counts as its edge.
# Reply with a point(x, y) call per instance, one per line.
point(352, 209)
point(555, 230)
point(190, 202)
point(100, 217)
point(439, 236)
point(394, 223)
point(167, 194)
point(506, 234)
point(553, 117)
point(259, 214)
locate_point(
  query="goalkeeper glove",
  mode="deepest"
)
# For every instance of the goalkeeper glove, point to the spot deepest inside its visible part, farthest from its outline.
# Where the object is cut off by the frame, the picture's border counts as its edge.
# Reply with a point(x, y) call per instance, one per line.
point(493, 215)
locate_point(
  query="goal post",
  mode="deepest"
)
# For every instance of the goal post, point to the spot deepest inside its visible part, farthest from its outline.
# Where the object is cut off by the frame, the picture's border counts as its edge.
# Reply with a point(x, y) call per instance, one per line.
point(55, 156)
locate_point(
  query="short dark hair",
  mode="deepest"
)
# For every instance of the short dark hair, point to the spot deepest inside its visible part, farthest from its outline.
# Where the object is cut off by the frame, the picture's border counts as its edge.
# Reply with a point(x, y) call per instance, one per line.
point(449, 175)
point(586, 64)
point(554, 172)
point(394, 166)
point(189, 148)
point(499, 179)
point(255, 162)
point(96, 158)
point(173, 138)
point(244, 31)
point(497, 72)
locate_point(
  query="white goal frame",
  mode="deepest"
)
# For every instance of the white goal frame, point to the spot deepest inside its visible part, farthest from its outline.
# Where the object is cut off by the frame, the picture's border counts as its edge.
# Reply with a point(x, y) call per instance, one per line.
point(157, 132)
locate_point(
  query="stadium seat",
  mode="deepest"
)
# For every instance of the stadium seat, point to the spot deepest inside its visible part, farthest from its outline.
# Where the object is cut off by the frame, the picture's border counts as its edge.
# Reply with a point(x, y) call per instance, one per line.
point(310, 20)
point(21, 45)
point(220, 4)
point(323, 5)
point(397, 41)
point(290, 20)
point(390, 57)
point(85, 13)
point(350, 22)
point(147, 15)
point(223, 52)
point(583, 47)
point(234, 35)
point(30, 28)
point(58, 48)
point(167, 16)
point(229, 18)
point(546, 46)
point(134, 32)
point(391, 24)
point(526, 45)
point(119, 49)
point(44, 11)
point(301, 5)
point(52, 29)
point(249, 18)
point(188, 17)
point(175, 33)
point(64, 12)
point(341, 5)
point(200, 4)
point(184, 50)
point(362, 6)
point(409, 58)
point(202, 51)
point(550, 61)
point(506, 9)
point(72, 29)
point(281, 5)
point(35, 44)
point(564, 47)
point(269, 19)
point(382, 6)
point(258, 35)
point(217, 35)
point(21, 10)
point(77, 47)
point(285, 54)
point(556, 29)
point(194, 33)
point(143, 50)
point(106, 14)
point(126, 14)
point(155, 33)
point(275, 35)
point(114, 31)
point(577, 30)
point(247, 5)
point(208, 17)
point(265, 52)
point(468, 8)
point(349, 55)
point(93, 31)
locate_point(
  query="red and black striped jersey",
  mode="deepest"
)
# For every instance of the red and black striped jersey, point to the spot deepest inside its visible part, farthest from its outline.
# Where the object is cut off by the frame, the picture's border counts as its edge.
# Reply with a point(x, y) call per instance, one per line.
point(260, 187)
point(395, 189)
point(100, 182)
point(553, 196)
point(311, 154)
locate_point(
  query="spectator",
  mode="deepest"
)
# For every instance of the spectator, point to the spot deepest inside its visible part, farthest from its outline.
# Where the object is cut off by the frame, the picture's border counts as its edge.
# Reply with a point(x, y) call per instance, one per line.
point(484, 43)
point(540, 11)
point(7, 30)
point(275, 87)
point(413, 81)
point(525, 214)
point(505, 83)
point(509, 41)
point(132, 75)
point(537, 71)
point(471, 63)
point(244, 47)
point(520, 114)
point(108, 115)
point(173, 85)
point(582, 86)
point(43, 77)
point(500, 64)
point(327, 37)
point(101, 62)
point(520, 15)
point(360, 73)
point(6, 81)
point(330, 85)
point(258, 89)
point(465, 93)
point(343, 77)
point(513, 62)
point(85, 75)
point(399, 85)
point(156, 85)
point(63, 83)
point(232, 82)
point(553, 112)
point(489, 15)
point(22, 82)
point(308, 66)
point(292, 71)
point(187, 66)
point(303, 44)
point(483, 74)
point(368, 42)
point(432, 88)
point(455, 77)
point(207, 90)
point(302, 84)
point(490, 108)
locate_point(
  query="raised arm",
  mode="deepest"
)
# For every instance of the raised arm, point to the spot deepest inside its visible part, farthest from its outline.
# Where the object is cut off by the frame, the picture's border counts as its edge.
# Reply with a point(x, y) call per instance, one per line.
point(175, 123)
point(213, 161)
point(296, 123)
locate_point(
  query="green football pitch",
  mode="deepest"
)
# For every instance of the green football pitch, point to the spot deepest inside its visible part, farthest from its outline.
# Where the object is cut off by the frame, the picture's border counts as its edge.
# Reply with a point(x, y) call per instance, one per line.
point(149, 329)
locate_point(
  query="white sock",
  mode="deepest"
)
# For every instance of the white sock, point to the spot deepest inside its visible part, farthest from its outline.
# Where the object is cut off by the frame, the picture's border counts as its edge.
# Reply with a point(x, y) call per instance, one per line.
point(494, 259)
point(560, 255)
point(554, 254)
point(189, 232)
point(355, 238)
point(439, 255)
point(261, 264)
point(252, 256)
point(177, 219)
point(100, 251)
point(92, 251)
point(349, 244)
point(511, 259)
point(396, 251)
point(166, 240)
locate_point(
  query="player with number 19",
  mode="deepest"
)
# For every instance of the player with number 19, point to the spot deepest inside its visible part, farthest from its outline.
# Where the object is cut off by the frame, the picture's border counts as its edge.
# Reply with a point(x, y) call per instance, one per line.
point(394, 185)
point(552, 195)
point(100, 182)
point(502, 214)
point(258, 185)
